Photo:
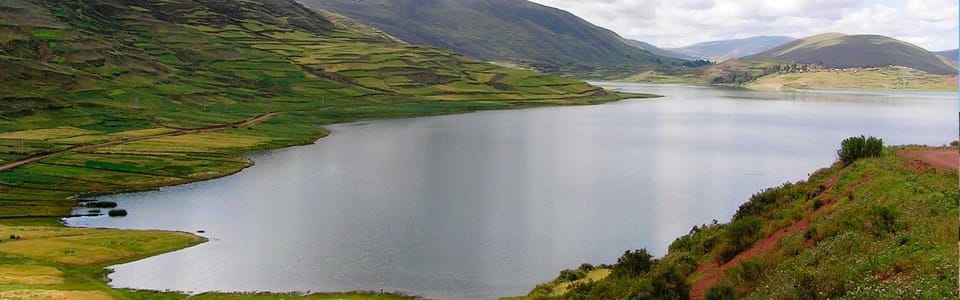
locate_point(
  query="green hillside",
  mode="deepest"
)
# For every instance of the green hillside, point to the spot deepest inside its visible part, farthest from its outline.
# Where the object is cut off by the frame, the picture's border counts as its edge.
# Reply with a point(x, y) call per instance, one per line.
point(837, 50)
point(107, 96)
point(878, 228)
point(500, 30)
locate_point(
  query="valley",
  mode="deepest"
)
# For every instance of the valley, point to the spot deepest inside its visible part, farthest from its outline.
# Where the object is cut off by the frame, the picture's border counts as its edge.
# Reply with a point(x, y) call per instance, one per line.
point(439, 149)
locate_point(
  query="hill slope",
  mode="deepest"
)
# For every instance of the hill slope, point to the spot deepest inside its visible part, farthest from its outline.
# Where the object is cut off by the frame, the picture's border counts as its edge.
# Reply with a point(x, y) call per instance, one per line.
point(660, 51)
point(950, 56)
point(730, 49)
point(844, 51)
point(497, 30)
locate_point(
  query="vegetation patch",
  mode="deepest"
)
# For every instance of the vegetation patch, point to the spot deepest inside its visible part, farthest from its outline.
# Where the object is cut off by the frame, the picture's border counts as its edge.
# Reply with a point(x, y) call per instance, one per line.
point(29, 275)
point(46, 133)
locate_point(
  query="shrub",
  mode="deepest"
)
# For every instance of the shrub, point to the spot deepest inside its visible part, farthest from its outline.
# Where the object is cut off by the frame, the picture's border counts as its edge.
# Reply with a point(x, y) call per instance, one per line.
point(586, 267)
point(720, 292)
point(633, 263)
point(854, 148)
point(738, 236)
point(117, 213)
point(571, 275)
point(664, 283)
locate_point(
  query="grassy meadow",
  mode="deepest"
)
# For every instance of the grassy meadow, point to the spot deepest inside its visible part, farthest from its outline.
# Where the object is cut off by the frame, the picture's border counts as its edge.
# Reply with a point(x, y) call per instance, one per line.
point(891, 78)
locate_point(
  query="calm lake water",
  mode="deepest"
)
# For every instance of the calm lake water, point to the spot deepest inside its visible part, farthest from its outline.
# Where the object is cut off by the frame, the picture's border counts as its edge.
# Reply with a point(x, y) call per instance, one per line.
point(490, 204)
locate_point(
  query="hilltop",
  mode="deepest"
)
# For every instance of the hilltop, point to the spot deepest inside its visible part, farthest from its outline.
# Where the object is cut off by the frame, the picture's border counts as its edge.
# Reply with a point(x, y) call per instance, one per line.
point(513, 31)
point(109, 96)
point(836, 50)
point(731, 49)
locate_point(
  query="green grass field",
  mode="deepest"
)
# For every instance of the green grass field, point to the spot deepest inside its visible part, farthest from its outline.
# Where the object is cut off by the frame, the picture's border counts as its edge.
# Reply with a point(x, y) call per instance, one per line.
point(876, 79)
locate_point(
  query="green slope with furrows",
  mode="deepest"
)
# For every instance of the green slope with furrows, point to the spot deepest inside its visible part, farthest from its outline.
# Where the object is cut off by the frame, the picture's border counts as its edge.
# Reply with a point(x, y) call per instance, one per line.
point(499, 30)
point(133, 78)
point(837, 50)
point(108, 96)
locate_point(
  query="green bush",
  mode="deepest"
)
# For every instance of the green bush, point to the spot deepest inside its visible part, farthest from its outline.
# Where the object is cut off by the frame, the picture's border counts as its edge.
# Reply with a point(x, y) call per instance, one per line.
point(571, 275)
point(633, 263)
point(720, 292)
point(738, 236)
point(854, 148)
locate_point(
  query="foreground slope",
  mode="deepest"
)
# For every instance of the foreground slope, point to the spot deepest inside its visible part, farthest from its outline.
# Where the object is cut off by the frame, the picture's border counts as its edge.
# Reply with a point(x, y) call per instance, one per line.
point(107, 96)
point(499, 30)
point(879, 228)
point(837, 50)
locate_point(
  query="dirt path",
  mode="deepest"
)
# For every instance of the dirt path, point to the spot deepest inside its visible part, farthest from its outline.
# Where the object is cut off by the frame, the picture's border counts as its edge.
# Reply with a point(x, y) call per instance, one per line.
point(180, 131)
point(940, 158)
point(713, 271)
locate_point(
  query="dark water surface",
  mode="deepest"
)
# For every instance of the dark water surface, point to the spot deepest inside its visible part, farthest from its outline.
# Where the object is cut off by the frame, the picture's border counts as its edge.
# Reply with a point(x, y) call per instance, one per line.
point(490, 204)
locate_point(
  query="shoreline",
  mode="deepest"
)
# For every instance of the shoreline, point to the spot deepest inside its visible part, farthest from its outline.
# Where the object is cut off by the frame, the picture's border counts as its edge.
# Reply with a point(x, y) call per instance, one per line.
point(611, 96)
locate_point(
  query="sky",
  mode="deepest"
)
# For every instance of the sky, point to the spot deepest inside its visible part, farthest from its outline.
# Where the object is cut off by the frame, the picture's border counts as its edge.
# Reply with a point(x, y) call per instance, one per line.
point(931, 24)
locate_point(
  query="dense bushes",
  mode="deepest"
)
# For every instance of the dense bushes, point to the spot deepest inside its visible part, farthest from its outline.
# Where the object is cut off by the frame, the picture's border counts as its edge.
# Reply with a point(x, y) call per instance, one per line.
point(633, 263)
point(854, 148)
point(720, 292)
point(738, 236)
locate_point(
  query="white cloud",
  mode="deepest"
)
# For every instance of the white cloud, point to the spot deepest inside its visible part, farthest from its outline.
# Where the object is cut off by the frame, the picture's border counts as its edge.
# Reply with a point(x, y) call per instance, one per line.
point(932, 24)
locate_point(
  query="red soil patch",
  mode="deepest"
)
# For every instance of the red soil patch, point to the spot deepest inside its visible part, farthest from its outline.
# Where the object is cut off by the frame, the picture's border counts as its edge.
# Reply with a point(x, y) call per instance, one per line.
point(713, 271)
point(947, 159)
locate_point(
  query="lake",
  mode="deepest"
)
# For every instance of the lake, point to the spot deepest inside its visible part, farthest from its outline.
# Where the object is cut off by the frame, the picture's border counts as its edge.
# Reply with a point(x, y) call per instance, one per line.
point(490, 204)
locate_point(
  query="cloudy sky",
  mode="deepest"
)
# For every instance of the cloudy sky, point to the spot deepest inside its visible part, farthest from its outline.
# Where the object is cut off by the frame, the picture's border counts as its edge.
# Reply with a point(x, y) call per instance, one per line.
point(931, 24)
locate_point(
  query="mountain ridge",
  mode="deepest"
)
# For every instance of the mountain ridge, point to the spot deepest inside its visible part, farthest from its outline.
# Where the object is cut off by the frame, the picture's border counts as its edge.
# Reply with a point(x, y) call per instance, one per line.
point(499, 30)
point(837, 50)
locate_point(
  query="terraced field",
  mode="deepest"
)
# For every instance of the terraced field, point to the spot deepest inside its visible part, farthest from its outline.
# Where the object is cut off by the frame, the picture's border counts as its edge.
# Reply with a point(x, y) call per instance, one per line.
point(109, 96)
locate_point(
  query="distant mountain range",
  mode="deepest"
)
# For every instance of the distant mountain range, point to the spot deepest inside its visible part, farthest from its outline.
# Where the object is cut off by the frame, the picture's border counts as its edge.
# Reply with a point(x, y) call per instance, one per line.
point(660, 51)
point(730, 49)
point(498, 30)
point(838, 50)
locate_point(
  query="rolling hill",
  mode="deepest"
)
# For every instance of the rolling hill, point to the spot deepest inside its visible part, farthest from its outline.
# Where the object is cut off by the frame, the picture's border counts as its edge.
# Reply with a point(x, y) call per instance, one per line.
point(837, 50)
point(498, 30)
point(730, 49)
